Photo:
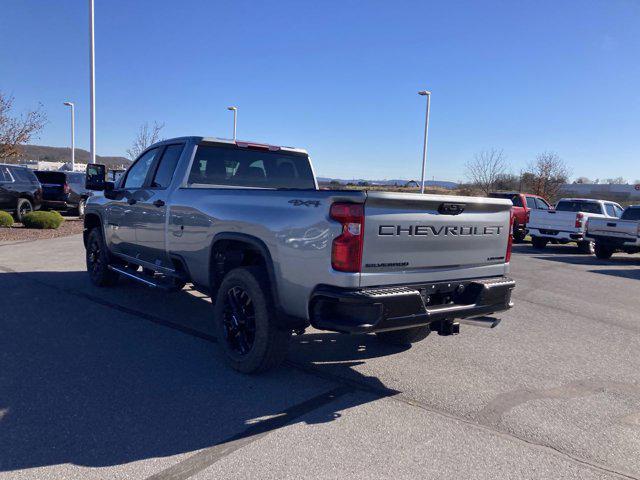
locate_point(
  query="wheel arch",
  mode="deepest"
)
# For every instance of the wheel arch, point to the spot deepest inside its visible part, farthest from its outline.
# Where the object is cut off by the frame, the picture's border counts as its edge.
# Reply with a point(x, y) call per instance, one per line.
point(91, 220)
point(239, 249)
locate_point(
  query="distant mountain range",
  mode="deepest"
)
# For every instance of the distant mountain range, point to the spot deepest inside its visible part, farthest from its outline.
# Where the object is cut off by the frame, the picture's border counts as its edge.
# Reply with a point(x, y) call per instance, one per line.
point(63, 154)
point(399, 182)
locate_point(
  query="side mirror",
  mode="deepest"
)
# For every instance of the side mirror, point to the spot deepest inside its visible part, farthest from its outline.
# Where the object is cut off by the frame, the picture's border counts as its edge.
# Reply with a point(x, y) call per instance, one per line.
point(96, 178)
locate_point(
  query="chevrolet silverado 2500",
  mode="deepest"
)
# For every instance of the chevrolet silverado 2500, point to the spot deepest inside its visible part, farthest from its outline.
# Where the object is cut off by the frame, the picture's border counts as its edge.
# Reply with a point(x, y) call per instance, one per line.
point(612, 235)
point(566, 222)
point(247, 224)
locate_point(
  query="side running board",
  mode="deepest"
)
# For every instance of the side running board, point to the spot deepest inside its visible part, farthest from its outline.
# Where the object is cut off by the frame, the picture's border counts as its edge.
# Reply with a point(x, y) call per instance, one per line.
point(142, 278)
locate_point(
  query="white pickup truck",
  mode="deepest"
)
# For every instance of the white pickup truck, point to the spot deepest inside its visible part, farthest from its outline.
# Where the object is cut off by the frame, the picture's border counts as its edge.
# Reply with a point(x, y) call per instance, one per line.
point(567, 222)
point(612, 236)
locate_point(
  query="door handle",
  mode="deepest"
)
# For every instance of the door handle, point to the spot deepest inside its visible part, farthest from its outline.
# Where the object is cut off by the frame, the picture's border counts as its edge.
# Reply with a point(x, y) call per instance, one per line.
point(159, 203)
point(132, 201)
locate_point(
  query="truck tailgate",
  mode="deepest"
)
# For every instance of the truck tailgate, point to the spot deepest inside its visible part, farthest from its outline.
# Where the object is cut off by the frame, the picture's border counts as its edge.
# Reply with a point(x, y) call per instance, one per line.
point(612, 227)
point(553, 220)
point(422, 238)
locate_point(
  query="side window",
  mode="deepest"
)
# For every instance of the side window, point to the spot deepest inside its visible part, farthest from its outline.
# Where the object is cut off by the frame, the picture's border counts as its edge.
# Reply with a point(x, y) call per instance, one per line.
point(517, 201)
point(5, 175)
point(618, 210)
point(611, 211)
point(167, 166)
point(542, 205)
point(531, 202)
point(138, 172)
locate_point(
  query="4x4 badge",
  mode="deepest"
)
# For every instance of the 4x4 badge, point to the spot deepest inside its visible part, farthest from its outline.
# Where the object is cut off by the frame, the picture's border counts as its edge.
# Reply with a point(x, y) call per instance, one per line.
point(304, 203)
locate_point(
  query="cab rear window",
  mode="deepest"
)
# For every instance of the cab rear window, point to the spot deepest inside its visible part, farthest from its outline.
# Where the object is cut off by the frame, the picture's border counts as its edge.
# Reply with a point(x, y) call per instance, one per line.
point(231, 166)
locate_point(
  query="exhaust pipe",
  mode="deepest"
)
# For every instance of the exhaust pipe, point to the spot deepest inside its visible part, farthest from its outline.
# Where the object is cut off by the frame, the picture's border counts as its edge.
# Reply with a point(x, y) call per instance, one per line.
point(487, 322)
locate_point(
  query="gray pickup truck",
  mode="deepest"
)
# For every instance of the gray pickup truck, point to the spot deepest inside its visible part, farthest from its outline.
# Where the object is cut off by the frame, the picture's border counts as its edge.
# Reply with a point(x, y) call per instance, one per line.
point(612, 235)
point(247, 224)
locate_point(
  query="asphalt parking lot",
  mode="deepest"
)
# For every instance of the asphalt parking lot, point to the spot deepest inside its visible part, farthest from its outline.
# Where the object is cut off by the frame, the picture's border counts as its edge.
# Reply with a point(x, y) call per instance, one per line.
point(127, 382)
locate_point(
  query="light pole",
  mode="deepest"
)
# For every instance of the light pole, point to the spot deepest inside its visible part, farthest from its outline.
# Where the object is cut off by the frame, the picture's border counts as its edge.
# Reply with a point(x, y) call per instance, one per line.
point(73, 135)
point(426, 132)
point(92, 86)
point(235, 120)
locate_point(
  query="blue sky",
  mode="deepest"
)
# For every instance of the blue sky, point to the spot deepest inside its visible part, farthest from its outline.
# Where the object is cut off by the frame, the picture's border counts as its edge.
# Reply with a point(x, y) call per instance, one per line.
point(341, 78)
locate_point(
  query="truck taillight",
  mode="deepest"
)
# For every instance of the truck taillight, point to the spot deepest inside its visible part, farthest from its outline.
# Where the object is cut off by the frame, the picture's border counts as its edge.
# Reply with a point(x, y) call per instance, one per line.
point(579, 217)
point(346, 251)
point(507, 257)
point(65, 188)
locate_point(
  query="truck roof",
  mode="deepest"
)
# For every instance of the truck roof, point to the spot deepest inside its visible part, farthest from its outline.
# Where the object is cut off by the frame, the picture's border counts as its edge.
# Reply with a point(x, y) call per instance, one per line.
point(227, 141)
point(594, 200)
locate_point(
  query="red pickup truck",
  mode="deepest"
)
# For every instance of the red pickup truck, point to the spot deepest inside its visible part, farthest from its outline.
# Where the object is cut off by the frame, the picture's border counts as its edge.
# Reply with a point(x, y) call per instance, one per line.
point(523, 203)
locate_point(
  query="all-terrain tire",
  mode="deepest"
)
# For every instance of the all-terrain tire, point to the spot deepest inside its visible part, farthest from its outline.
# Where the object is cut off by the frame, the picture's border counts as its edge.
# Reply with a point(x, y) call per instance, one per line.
point(586, 247)
point(538, 242)
point(79, 210)
point(602, 252)
point(270, 342)
point(519, 234)
point(97, 258)
point(406, 336)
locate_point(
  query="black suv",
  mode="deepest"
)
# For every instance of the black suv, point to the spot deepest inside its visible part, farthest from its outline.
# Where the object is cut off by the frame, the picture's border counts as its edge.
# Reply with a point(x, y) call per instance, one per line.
point(20, 190)
point(63, 191)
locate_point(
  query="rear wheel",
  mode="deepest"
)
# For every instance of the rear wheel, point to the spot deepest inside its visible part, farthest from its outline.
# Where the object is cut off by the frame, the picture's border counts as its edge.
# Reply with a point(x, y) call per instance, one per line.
point(404, 337)
point(518, 233)
point(246, 323)
point(80, 208)
point(24, 206)
point(586, 247)
point(97, 258)
point(538, 242)
point(602, 252)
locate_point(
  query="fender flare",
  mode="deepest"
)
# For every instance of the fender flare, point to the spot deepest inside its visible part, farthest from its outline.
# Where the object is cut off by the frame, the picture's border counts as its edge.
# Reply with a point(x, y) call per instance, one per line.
point(259, 245)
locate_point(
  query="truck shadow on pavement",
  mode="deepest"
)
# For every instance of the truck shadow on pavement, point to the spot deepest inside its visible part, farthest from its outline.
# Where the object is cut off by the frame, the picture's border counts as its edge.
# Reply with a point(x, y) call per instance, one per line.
point(91, 377)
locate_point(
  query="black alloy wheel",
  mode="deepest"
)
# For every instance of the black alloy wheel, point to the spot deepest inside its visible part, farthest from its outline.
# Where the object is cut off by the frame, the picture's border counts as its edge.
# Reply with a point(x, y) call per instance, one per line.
point(239, 321)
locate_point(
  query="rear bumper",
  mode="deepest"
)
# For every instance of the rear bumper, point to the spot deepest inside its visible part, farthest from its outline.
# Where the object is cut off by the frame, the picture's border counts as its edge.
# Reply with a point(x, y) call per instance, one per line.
point(560, 235)
point(394, 308)
point(56, 205)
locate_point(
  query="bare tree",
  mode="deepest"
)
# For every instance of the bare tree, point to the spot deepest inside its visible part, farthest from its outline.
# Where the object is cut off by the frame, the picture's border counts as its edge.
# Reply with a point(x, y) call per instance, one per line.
point(17, 130)
point(486, 168)
point(616, 181)
point(583, 180)
point(547, 174)
point(147, 135)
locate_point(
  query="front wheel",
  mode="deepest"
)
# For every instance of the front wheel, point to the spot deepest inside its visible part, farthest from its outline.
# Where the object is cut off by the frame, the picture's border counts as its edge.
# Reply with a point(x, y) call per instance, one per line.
point(406, 336)
point(97, 258)
point(246, 322)
point(586, 247)
point(538, 242)
point(602, 252)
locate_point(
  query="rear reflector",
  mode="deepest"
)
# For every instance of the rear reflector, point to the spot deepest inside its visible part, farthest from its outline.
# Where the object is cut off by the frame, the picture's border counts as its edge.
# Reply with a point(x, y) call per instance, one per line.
point(346, 251)
point(507, 257)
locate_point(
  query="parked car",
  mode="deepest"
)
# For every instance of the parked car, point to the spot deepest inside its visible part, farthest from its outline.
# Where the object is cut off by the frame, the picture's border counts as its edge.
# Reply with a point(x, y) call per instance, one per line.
point(20, 190)
point(63, 191)
point(612, 236)
point(567, 221)
point(247, 224)
point(523, 203)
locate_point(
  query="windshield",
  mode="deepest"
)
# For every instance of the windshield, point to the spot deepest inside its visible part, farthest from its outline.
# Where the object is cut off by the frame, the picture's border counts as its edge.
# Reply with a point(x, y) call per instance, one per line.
point(578, 206)
point(224, 165)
